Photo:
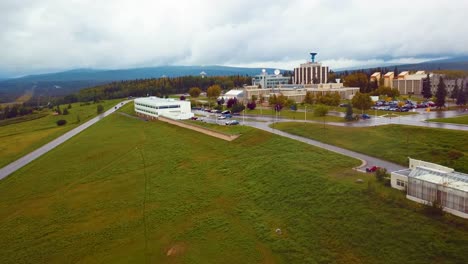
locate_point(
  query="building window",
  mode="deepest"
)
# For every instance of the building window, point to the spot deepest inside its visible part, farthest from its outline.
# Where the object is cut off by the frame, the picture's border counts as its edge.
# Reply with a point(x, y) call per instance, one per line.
point(400, 183)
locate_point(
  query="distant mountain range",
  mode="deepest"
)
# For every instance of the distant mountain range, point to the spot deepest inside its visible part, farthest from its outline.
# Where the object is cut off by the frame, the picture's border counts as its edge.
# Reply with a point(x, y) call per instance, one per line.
point(457, 63)
point(62, 83)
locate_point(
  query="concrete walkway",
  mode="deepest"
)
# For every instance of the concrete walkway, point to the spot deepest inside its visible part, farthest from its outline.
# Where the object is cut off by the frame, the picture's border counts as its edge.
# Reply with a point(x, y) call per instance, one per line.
point(16, 165)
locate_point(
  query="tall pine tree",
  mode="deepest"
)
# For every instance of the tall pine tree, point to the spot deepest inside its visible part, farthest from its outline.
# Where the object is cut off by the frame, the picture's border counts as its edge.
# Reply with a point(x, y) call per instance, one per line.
point(462, 95)
point(426, 90)
point(441, 93)
point(454, 93)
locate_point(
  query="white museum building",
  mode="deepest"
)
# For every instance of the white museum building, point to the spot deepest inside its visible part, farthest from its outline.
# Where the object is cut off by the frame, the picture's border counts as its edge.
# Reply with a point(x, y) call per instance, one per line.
point(152, 107)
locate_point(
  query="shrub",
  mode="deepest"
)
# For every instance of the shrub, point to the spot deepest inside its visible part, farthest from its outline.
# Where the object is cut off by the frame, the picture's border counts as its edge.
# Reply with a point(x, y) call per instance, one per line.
point(434, 209)
point(251, 105)
point(182, 98)
point(231, 102)
point(381, 174)
point(65, 111)
point(349, 113)
point(320, 110)
point(100, 109)
point(454, 154)
point(61, 122)
point(238, 107)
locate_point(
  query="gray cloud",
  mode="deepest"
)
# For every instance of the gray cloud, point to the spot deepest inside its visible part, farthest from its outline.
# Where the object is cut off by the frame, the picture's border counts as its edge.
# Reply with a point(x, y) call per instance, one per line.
point(48, 35)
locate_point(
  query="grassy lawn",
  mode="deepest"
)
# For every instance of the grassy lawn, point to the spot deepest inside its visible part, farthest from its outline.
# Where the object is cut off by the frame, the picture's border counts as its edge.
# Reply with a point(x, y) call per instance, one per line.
point(294, 115)
point(20, 138)
point(392, 142)
point(128, 108)
point(463, 120)
point(127, 191)
point(231, 130)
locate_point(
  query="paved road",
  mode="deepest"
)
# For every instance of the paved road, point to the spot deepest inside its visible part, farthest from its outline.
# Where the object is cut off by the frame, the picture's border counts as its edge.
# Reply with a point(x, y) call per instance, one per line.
point(368, 160)
point(264, 125)
point(16, 165)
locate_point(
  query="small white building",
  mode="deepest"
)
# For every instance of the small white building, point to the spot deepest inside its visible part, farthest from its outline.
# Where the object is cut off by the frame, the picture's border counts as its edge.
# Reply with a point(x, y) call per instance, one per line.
point(152, 107)
point(426, 182)
point(234, 93)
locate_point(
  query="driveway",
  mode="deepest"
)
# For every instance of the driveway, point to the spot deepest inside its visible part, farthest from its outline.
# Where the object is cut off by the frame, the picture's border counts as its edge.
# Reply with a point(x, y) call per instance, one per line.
point(16, 165)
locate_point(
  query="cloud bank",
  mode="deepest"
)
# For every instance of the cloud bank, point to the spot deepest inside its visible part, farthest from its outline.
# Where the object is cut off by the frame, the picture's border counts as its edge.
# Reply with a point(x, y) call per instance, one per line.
point(50, 35)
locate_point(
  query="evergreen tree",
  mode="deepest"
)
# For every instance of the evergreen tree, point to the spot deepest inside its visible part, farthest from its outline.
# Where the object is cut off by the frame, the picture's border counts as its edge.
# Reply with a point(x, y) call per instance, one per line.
point(441, 93)
point(426, 90)
point(349, 113)
point(395, 71)
point(461, 96)
point(454, 93)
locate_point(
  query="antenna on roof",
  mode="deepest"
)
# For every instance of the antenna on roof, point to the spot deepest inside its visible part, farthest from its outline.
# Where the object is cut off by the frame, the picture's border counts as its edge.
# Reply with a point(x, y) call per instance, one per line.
point(312, 56)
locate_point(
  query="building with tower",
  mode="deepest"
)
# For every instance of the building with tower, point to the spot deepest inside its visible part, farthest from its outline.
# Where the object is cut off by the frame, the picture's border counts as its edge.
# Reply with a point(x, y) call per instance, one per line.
point(311, 72)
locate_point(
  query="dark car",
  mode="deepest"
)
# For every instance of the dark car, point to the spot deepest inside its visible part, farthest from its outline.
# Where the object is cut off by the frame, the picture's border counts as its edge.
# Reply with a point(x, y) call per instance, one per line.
point(365, 116)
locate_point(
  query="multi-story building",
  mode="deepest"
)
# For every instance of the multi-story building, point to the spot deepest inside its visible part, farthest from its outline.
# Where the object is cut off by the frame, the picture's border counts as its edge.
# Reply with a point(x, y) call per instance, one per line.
point(388, 79)
point(407, 83)
point(375, 77)
point(309, 77)
point(266, 80)
point(311, 72)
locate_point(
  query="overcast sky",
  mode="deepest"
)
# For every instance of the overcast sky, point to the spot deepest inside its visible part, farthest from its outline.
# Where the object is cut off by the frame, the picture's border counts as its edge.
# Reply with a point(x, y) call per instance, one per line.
point(53, 35)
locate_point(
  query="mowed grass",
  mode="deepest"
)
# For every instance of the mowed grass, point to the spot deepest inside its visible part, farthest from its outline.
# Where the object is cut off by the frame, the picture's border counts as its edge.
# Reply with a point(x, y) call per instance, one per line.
point(18, 139)
point(392, 142)
point(285, 113)
point(128, 191)
point(462, 120)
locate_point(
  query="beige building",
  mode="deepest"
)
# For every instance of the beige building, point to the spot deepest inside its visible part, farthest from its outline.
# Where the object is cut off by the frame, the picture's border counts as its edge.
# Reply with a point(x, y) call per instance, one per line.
point(375, 77)
point(388, 79)
point(310, 72)
point(298, 92)
point(407, 83)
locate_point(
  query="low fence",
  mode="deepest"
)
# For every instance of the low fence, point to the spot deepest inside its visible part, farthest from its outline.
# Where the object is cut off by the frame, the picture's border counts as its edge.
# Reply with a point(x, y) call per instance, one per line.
point(203, 130)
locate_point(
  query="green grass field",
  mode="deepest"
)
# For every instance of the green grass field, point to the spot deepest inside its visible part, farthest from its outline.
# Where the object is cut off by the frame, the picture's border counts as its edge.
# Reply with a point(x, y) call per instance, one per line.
point(392, 142)
point(294, 115)
point(129, 191)
point(24, 136)
point(462, 120)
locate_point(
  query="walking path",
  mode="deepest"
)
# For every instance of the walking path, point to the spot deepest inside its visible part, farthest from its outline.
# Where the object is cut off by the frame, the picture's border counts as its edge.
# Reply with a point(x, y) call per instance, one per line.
point(16, 165)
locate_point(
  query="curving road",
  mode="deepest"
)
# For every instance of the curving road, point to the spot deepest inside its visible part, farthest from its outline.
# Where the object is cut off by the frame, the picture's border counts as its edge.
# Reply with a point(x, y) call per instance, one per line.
point(367, 160)
point(263, 123)
point(16, 165)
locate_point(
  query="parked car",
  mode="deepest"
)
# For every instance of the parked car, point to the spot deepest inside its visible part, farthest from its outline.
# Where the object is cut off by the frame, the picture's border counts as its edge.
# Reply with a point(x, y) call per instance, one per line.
point(194, 118)
point(225, 112)
point(232, 122)
point(227, 116)
point(372, 169)
point(365, 116)
point(344, 105)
